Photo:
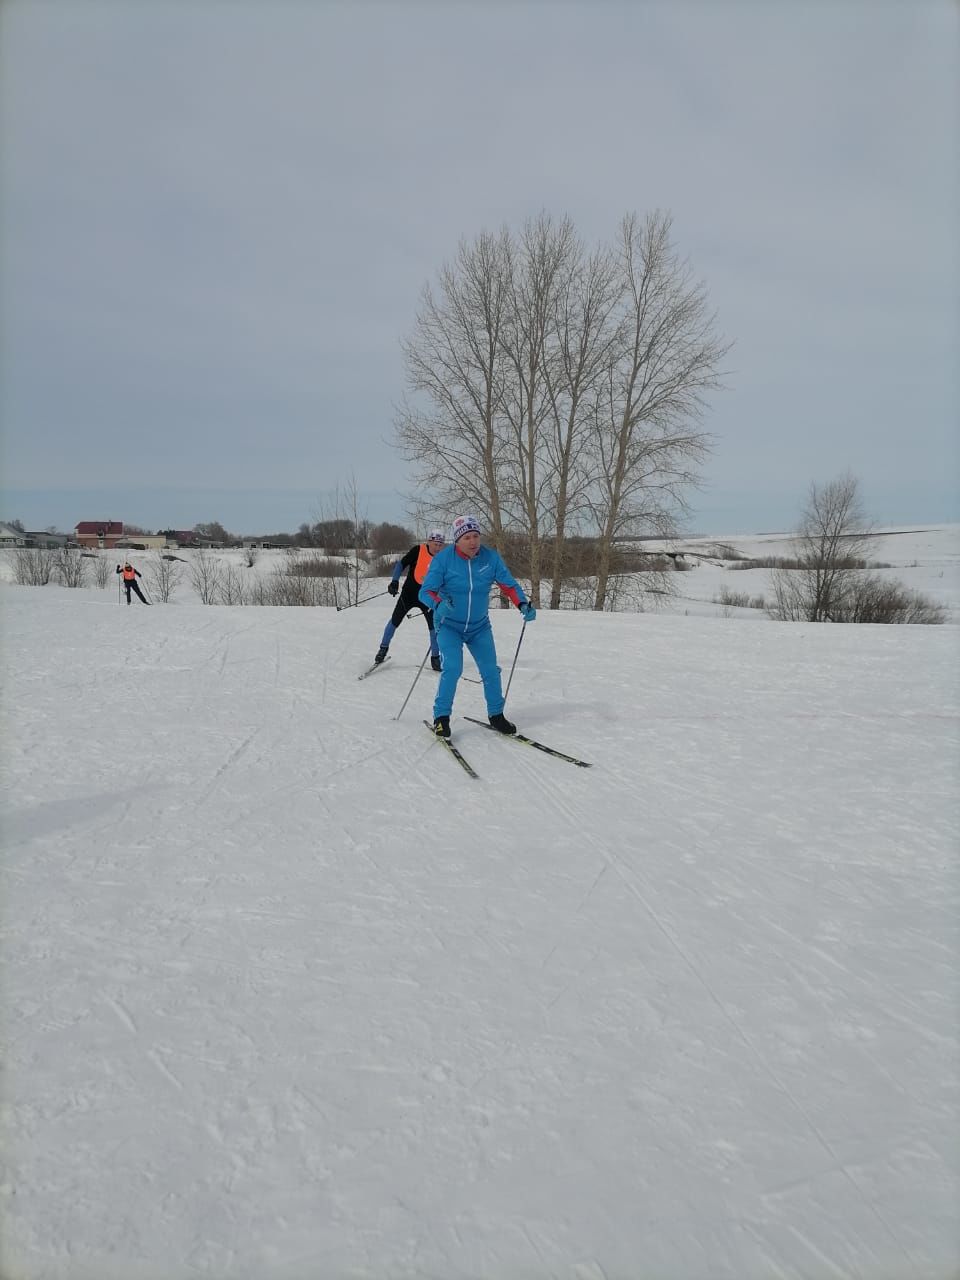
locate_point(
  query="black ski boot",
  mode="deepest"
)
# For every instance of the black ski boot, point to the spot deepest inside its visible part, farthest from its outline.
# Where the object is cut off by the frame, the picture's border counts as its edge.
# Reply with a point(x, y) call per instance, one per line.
point(435, 661)
point(381, 654)
point(441, 726)
point(502, 724)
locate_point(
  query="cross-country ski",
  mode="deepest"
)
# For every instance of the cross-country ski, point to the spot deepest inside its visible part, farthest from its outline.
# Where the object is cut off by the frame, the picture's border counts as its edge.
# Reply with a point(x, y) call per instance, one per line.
point(457, 754)
point(372, 671)
point(531, 742)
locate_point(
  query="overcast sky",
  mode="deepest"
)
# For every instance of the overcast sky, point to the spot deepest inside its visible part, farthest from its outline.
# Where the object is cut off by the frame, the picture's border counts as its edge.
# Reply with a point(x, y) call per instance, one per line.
point(216, 220)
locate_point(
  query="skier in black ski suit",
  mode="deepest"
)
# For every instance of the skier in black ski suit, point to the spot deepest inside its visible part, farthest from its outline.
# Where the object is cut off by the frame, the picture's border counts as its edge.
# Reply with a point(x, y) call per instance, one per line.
point(416, 562)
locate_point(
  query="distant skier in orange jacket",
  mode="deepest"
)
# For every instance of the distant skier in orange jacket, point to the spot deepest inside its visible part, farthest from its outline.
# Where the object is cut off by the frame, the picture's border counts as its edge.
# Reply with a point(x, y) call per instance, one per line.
point(130, 576)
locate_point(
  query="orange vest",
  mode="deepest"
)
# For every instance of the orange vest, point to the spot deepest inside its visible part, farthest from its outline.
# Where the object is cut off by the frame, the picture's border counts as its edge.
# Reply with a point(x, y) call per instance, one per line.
point(422, 565)
point(129, 575)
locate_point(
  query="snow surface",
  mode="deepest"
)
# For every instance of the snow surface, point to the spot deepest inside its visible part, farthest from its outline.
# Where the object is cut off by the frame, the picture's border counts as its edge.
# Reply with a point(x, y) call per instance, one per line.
point(286, 994)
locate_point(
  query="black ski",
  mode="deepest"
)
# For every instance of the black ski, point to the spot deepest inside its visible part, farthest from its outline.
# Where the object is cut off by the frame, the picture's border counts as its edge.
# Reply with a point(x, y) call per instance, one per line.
point(372, 670)
point(460, 759)
point(531, 742)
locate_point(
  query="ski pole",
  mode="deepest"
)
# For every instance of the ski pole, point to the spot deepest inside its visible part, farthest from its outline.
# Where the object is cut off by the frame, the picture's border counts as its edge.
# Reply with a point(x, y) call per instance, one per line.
point(341, 607)
point(514, 663)
point(413, 686)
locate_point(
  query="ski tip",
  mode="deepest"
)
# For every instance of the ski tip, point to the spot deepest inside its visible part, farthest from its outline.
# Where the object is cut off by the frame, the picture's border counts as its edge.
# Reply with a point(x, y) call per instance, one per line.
point(376, 667)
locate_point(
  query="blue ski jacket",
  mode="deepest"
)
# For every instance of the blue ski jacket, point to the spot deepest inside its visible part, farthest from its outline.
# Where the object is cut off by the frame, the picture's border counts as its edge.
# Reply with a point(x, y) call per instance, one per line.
point(467, 584)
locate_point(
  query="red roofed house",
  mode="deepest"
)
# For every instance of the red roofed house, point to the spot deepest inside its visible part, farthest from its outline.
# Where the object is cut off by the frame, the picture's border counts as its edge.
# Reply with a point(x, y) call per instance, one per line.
point(98, 533)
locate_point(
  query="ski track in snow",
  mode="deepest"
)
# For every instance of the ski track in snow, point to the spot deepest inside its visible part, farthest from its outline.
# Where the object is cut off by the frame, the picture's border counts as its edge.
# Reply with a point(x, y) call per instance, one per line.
point(558, 796)
point(287, 994)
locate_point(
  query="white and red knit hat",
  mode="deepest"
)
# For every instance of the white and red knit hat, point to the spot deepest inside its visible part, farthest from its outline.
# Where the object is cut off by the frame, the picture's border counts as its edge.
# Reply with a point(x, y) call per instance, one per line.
point(462, 525)
point(436, 535)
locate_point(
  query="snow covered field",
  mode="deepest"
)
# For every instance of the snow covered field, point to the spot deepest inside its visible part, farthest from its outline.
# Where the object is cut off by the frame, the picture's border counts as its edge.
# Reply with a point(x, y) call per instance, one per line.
point(287, 995)
point(925, 560)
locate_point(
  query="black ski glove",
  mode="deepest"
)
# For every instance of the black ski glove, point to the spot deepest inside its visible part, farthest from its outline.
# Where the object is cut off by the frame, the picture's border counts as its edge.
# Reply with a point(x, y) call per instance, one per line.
point(393, 586)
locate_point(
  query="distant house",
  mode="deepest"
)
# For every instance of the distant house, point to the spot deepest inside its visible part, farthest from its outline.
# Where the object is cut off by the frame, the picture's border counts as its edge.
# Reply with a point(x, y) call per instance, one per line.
point(98, 533)
point(10, 537)
point(47, 541)
point(142, 542)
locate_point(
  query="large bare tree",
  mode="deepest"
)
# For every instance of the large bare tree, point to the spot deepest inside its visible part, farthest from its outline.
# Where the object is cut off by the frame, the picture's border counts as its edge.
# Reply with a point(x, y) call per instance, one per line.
point(455, 363)
point(648, 443)
point(556, 392)
point(541, 266)
point(585, 336)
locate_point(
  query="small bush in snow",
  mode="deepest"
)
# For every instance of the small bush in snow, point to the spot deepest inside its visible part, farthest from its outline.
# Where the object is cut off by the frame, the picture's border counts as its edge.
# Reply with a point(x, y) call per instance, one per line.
point(735, 599)
point(233, 586)
point(103, 571)
point(205, 573)
point(874, 600)
point(381, 566)
point(71, 567)
point(32, 567)
point(163, 573)
point(792, 562)
point(316, 566)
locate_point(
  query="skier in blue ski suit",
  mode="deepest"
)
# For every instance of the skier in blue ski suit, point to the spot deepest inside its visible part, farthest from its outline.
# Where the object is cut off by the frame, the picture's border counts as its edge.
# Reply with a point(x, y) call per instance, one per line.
point(457, 588)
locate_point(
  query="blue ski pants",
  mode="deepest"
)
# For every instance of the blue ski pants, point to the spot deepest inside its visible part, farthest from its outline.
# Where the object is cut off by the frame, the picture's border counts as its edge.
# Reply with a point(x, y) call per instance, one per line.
point(483, 651)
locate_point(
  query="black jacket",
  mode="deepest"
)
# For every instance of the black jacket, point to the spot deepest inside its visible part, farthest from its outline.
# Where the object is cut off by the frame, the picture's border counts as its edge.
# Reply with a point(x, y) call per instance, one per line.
point(410, 591)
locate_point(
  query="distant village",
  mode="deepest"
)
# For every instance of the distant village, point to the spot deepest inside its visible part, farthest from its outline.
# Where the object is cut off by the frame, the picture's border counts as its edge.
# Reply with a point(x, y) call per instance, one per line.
point(113, 535)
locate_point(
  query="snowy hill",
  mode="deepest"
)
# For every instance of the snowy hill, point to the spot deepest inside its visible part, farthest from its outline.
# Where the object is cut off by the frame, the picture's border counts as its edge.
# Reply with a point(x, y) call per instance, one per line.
point(287, 995)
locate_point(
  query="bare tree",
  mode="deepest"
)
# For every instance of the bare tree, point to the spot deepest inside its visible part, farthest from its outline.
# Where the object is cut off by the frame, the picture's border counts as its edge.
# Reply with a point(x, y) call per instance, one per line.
point(33, 566)
point(302, 580)
point(342, 528)
point(361, 525)
point(205, 574)
point(585, 338)
point(71, 567)
point(455, 362)
point(648, 444)
point(214, 532)
point(833, 539)
point(102, 572)
point(163, 575)
point(387, 537)
point(562, 393)
point(540, 270)
point(232, 587)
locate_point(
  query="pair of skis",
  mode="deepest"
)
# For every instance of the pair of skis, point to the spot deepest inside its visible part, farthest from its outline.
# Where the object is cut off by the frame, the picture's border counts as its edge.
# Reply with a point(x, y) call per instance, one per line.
point(513, 737)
